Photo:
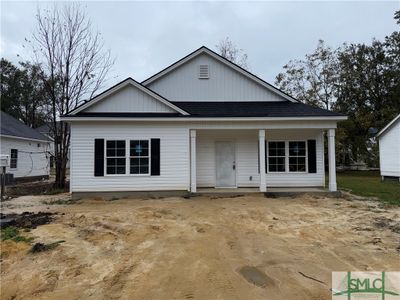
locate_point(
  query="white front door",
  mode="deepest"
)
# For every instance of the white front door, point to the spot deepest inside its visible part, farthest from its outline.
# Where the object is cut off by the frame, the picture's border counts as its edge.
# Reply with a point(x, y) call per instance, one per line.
point(225, 164)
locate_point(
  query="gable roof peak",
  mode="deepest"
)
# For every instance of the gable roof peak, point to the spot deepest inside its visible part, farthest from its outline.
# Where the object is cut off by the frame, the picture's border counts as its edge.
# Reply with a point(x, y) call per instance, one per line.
point(388, 126)
point(225, 61)
point(120, 85)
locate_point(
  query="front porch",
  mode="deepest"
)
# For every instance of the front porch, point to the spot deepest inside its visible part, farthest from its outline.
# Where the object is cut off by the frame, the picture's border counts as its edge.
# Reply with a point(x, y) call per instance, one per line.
point(262, 160)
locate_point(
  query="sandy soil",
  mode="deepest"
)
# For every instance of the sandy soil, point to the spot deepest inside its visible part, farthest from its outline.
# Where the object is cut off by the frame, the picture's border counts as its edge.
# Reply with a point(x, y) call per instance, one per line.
point(177, 248)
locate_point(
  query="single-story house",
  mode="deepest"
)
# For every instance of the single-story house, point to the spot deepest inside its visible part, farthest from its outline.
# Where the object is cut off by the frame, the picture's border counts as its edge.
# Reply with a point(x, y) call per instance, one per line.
point(201, 122)
point(28, 150)
point(389, 149)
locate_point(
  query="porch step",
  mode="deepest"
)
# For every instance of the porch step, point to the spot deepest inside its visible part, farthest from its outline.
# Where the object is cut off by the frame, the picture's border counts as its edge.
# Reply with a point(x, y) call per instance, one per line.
point(299, 193)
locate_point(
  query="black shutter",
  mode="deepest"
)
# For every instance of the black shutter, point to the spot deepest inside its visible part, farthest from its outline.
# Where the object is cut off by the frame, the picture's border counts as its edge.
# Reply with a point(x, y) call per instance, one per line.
point(99, 157)
point(312, 156)
point(266, 157)
point(155, 157)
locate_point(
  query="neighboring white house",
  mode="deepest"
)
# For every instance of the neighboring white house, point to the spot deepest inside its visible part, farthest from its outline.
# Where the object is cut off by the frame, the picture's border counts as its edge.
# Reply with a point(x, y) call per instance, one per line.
point(201, 122)
point(26, 147)
point(389, 149)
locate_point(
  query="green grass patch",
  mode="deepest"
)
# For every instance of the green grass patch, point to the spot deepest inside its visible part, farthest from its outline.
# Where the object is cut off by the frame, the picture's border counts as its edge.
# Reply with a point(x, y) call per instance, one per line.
point(12, 233)
point(369, 184)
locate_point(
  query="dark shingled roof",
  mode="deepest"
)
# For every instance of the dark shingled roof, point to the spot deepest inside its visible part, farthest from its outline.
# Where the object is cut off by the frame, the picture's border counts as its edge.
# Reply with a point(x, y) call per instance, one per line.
point(253, 109)
point(126, 115)
point(202, 109)
point(13, 127)
point(44, 129)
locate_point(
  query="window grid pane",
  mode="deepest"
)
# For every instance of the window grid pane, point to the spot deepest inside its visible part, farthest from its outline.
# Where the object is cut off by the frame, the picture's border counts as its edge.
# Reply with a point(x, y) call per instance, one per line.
point(297, 156)
point(13, 158)
point(139, 153)
point(276, 157)
point(115, 157)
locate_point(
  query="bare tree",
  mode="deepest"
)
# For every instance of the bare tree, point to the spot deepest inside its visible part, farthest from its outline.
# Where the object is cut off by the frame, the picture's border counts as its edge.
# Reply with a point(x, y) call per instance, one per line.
point(75, 62)
point(230, 51)
point(313, 80)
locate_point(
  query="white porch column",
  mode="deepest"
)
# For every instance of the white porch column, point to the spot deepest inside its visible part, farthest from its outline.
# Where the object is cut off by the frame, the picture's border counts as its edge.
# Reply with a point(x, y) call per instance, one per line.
point(261, 144)
point(332, 160)
point(193, 187)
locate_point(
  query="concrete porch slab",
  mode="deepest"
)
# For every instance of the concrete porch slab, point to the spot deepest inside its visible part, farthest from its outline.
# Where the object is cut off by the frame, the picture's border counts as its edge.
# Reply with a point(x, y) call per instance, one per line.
point(299, 191)
point(272, 192)
point(226, 191)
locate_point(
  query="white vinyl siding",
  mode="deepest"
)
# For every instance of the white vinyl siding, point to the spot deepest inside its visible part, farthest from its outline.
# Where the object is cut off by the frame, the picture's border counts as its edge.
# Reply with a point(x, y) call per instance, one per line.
point(129, 99)
point(174, 157)
point(32, 160)
point(225, 84)
point(389, 151)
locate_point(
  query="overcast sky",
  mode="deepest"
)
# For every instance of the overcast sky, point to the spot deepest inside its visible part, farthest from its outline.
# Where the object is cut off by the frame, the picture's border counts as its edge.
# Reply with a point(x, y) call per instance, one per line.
point(145, 37)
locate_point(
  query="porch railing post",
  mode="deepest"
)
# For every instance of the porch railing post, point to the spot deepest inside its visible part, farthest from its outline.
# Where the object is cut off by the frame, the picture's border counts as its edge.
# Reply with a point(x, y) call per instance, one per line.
point(261, 145)
point(193, 187)
point(332, 161)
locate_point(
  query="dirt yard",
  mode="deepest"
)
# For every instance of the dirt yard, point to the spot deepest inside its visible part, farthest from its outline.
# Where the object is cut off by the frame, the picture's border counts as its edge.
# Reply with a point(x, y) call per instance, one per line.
point(247, 247)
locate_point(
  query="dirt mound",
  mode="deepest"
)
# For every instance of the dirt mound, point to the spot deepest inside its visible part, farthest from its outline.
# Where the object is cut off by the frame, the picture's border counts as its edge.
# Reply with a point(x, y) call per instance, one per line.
point(26, 219)
point(40, 247)
point(383, 222)
point(34, 188)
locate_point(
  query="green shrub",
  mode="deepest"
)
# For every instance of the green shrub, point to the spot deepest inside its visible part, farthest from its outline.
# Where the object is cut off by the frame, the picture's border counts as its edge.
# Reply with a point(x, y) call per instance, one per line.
point(12, 233)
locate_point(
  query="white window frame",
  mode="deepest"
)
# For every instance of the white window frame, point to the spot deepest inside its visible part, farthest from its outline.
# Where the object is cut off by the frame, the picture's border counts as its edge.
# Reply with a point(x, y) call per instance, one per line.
point(148, 156)
point(287, 171)
point(267, 153)
point(105, 157)
point(305, 157)
point(127, 157)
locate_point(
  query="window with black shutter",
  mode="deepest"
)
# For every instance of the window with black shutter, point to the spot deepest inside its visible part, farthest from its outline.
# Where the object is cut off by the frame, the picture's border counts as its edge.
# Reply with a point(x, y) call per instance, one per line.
point(143, 157)
point(287, 156)
point(14, 158)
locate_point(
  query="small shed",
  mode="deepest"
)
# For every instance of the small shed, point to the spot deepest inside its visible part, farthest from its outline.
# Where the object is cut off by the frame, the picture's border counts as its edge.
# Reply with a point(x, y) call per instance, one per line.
point(389, 150)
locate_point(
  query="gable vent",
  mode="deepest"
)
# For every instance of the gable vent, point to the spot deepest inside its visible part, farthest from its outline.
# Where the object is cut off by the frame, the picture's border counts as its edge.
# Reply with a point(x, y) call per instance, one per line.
point(203, 72)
